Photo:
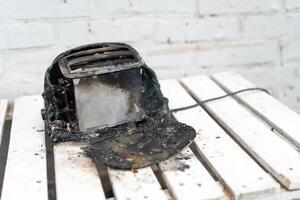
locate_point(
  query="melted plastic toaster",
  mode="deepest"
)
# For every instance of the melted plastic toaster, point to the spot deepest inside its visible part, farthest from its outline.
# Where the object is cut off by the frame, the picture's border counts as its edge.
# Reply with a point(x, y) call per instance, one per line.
point(104, 94)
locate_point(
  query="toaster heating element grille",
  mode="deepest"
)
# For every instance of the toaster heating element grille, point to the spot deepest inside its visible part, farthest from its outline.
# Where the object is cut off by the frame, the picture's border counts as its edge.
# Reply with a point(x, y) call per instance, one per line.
point(99, 60)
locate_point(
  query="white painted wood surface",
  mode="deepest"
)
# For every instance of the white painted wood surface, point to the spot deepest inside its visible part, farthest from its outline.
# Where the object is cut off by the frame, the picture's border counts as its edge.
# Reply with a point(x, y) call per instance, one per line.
point(184, 172)
point(75, 173)
point(284, 195)
point(3, 109)
point(139, 184)
point(279, 116)
point(230, 163)
point(275, 154)
point(25, 174)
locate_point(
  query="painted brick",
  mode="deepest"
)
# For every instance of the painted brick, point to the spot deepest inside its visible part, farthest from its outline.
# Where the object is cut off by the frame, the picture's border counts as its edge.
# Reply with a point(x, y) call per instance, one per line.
point(176, 38)
point(237, 6)
point(29, 35)
point(291, 49)
point(133, 7)
point(27, 86)
point(292, 4)
point(283, 82)
point(71, 34)
point(169, 72)
point(169, 56)
point(191, 30)
point(3, 37)
point(213, 56)
point(30, 63)
point(293, 25)
point(264, 26)
point(126, 30)
point(2, 66)
point(240, 54)
point(26, 72)
point(36, 9)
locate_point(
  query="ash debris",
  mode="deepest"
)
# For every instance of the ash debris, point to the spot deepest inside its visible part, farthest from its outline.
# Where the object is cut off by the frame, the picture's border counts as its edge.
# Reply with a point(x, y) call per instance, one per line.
point(147, 139)
point(141, 144)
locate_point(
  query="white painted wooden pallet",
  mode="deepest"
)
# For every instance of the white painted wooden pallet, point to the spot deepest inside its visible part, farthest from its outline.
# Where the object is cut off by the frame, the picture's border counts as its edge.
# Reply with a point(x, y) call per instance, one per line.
point(240, 157)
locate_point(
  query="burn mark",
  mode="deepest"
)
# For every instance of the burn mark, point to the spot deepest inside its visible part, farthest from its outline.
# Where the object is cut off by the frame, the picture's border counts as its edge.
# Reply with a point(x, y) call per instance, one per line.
point(151, 136)
point(140, 144)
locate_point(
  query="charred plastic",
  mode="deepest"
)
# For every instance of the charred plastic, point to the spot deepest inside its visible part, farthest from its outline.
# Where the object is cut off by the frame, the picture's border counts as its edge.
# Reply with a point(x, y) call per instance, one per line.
point(104, 94)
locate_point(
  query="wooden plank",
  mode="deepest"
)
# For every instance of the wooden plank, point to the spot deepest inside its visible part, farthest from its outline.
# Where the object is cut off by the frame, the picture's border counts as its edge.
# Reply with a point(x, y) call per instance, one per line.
point(224, 157)
point(3, 110)
point(184, 172)
point(275, 154)
point(75, 173)
point(25, 175)
point(139, 184)
point(187, 178)
point(284, 194)
point(279, 116)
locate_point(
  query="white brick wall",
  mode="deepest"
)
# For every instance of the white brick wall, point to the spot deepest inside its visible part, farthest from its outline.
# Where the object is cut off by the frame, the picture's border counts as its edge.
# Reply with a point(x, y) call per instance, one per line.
point(43, 9)
point(292, 4)
point(29, 35)
point(264, 26)
point(143, 7)
point(72, 33)
point(176, 38)
point(238, 6)
point(195, 30)
point(134, 29)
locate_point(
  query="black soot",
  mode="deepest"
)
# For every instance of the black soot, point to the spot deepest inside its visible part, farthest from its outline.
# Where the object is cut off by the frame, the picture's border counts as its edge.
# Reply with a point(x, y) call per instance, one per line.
point(105, 95)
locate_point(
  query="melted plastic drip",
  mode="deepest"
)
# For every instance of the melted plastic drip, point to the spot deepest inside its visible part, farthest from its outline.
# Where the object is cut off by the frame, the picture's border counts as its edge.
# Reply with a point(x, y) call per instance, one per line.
point(142, 144)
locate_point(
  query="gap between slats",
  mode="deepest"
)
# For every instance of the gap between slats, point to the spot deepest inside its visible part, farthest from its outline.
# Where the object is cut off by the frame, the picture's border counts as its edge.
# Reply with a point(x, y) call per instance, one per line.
point(227, 109)
point(76, 174)
point(201, 120)
point(50, 169)
point(184, 171)
point(138, 184)
point(4, 150)
point(105, 180)
point(221, 79)
point(5, 126)
point(25, 172)
point(217, 121)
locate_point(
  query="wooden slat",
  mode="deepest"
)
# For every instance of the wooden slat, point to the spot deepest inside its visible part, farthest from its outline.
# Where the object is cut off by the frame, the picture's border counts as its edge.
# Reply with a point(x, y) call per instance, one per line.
point(3, 109)
point(76, 175)
point(279, 116)
point(184, 172)
point(140, 184)
point(25, 174)
point(226, 159)
point(187, 178)
point(284, 195)
point(275, 154)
